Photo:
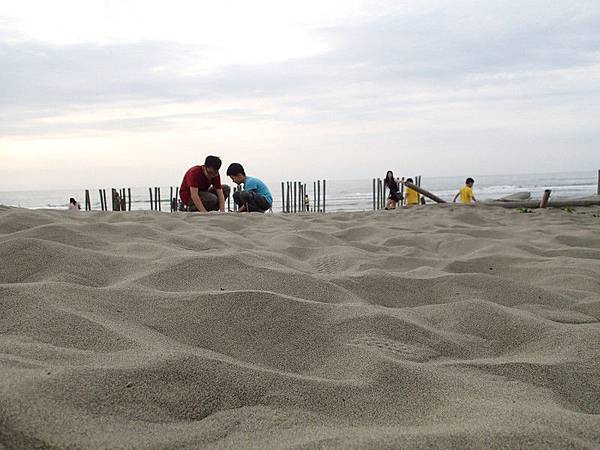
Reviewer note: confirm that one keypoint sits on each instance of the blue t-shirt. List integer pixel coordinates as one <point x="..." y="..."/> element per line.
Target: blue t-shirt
<point x="255" y="185"/>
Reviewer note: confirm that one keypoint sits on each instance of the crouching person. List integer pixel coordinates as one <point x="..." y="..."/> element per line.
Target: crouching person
<point x="255" y="196"/>
<point x="201" y="188"/>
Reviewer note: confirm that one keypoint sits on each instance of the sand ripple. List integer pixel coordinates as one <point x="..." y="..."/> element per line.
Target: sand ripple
<point x="424" y="328"/>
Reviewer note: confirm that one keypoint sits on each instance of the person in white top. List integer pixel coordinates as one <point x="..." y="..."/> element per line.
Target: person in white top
<point x="74" y="205"/>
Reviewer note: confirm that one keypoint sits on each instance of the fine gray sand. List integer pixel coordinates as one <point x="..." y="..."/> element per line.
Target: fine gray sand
<point x="430" y="327"/>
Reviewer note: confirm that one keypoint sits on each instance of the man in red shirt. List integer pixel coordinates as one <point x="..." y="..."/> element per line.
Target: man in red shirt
<point x="201" y="188"/>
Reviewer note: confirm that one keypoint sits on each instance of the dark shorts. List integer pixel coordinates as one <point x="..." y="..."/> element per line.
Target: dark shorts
<point x="396" y="196"/>
<point x="209" y="199"/>
<point x="255" y="202"/>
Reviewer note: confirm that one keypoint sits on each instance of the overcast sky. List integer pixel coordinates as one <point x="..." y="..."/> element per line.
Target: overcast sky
<point x="96" y="93"/>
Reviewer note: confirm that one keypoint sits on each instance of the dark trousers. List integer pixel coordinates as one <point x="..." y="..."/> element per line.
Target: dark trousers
<point x="209" y="198"/>
<point x="253" y="201"/>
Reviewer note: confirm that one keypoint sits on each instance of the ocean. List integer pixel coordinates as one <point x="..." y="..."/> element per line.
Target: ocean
<point x="345" y="195"/>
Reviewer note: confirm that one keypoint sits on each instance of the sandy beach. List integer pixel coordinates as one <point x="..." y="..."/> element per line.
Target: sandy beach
<point x="431" y="327"/>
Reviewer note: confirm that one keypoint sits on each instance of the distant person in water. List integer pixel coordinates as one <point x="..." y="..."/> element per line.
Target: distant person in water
<point x="466" y="192"/>
<point x="411" y="196"/>
<point x="255" y="196"/>
<point x="201" y="189"/>
<point x="392" y="185"/>
<point x="74" y="205"/>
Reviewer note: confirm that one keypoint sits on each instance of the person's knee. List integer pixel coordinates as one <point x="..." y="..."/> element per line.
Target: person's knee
<point x="226" y="190"/>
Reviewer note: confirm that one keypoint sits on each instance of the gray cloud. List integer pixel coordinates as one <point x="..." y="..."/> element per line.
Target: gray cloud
<point x="374" y="68"/>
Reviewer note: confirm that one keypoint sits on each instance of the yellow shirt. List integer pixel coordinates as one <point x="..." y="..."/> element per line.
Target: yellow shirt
<point x="466" y="194"/>
<point x="411" y="197"/>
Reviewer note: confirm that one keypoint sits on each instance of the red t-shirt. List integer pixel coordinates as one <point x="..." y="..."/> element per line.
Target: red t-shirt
<point x="195" y="178"/>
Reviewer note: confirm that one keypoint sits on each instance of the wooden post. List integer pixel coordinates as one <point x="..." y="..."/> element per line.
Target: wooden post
<point x="402" y="192"/>
<point x="314" y="196"/>
<point x="124" y="200"/>
<point x="545" y="198"/>
<point x="295" y="199"/>
<point x="159" y="205"/>
<point x="422" y="191"/>
<point x="129" y="199"/>
<point x="171" y="198"/>
<point x="324" y="196"/>
<point x="373" y="194"/>
<point x="598" y="182"/>
<point x="101" y="200"/>
<point x="151" y="201"/>
<point x="88" y="205"/>
<point x="318" y="205"/>
<point x="105" y="201"/>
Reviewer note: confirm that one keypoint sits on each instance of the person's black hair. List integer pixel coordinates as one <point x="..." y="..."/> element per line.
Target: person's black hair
<point x="72" y="201"/>
<point x="470" y="180"/>
<point x="409" y="180"/>
<point x="389" y="182"/>
<point x="213" y="161"/>
<point x="235" y="169"/>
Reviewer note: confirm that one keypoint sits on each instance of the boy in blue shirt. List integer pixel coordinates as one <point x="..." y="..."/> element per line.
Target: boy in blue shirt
<point x="255" y="196"/>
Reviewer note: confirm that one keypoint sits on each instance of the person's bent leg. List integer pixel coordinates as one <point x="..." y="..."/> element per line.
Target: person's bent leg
<point x="209" y="200"/>
<point x="257" y="202"/>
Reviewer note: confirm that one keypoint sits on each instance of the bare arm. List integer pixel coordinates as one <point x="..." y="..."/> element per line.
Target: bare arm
<point x="221" y="199"/>
<point x="196" y="199"/>
<point x="455" y="197"/>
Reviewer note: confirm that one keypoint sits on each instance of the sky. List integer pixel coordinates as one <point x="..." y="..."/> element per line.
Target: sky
<point x="133" y="93"/>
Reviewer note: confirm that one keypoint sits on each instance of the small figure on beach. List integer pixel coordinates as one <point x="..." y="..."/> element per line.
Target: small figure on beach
<point x="411" y="196"/>
<point x="306" y="203"/>
<point x="201" y="189"/>
<point x="116" y="201"/>
<point x="74" y="205"/>
<point x="255" y="197"/>
<point x="392" y="185"/>
<point x="466" y="192"/>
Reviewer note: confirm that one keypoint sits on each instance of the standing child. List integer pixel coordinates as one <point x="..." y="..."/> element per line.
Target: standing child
<point x="255" y="196"/>
<point x="466" y="192"/>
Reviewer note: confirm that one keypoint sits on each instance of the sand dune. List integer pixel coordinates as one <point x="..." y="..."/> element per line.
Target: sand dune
<point x="430" y="327"/>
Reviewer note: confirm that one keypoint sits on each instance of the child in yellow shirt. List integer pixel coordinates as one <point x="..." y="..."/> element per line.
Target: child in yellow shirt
<point x="411" y="197"/>
<point x="466" y="192"/>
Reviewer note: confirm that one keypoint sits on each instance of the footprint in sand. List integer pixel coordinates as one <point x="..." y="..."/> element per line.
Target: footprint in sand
<point x="396" y="349"/>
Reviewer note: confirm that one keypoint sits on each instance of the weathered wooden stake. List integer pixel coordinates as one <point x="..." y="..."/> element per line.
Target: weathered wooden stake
<point x="402" y="192"/>
<point x="124" y="200"/>
<point x="129" y="199"/>
<point x="295" y="199"/>
<point x="422" y="191"/>
<point x="314" y="196"/>
<point x="318" y="195"/>
<point x="598" y="182"/>
<point x="101" y="200"/>
<point x="373" y="194"/>
<point x="151" y="201"/>
<point x="324" y="196"/>
<point x="159" y="204"/>
<point x="545" y="198"/>
<point x="88" y="203"/>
